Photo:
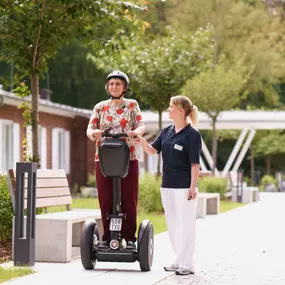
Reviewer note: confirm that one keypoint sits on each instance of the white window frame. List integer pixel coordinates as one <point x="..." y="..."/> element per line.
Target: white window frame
<point x="14" y="145"/>
<point x="42" y="133"/>
<point x="61" y="149"/>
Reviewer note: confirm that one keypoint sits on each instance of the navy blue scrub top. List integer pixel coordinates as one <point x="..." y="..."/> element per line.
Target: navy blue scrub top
<point x="179" y="150"/>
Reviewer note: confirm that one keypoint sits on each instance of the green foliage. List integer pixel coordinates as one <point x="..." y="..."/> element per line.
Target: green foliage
<point x="149" y="194"/>
<point x="244" y="30"/>
<point x="6" y="211"/>
<point x="158" y="69"/>
<point x="270" y="143"/>
<point x="247" y="180"/>
<point x="213" y="185"/>
<point x="91" y="182"/>
<point x="73" y="80"/>
<point x="22" y="91"/>
<point x="32" y="32"/>
<point x="216" y="89"/>
<point x="14" y="272"/>
<point x="267" y="179"/>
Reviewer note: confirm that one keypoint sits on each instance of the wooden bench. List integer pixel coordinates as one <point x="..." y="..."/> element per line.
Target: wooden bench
<point x="238" y="186"/>
<point x="207" y="204"/>
<point x="57" y="232"/>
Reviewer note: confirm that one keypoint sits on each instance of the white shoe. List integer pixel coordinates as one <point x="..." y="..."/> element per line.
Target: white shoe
<point x="172" y="267"/>
<point x="184" y="271"/>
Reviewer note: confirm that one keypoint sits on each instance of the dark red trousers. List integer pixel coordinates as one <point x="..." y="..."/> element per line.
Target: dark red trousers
<point x="129" y="198"/>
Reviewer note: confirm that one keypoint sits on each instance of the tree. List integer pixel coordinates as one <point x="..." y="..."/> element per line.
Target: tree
<point x="159" y="70"/>
<point x="213" y="91"/>
<point x="32" y="31"/>
<point x="271" y="143"/>
<point x="74" y="80"/>
<point x="241" y="28"/>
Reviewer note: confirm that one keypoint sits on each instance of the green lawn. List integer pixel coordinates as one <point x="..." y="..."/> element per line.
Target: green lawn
<point x="10" y="273"/>
<point x="157" y="219"/>
<point x="229" y="205"/>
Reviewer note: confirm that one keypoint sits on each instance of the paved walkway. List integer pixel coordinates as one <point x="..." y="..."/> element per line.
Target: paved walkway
<point x="245" y="246"/>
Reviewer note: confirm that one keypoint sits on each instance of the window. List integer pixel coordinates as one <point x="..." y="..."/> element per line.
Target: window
<point x="9" y="144"/>
<point x="42" y="144"/>
<point x="61" y="149"/>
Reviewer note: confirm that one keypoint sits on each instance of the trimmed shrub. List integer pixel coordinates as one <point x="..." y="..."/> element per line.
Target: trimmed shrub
<point x="91" y="180"/>
<point x="149" y="193"/>
<point x="213" y="185"/>
<point x="6" y="211"/>
<point x="267" y="179"/>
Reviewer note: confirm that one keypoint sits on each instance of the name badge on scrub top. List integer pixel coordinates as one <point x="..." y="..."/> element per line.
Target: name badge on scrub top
<point x="178" y="147"/>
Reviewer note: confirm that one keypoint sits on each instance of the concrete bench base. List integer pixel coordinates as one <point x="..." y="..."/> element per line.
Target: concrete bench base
<point x="208" y="203"/>
<point x="249" y="194"/>
<point x="56" y="233"/>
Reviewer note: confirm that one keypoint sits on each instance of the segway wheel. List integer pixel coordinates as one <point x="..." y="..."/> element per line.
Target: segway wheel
<point x="145" y="245"/>
<point x="88" y="242"/>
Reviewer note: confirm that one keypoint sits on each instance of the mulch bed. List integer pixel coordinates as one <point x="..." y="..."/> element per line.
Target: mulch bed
<point x="5" y="252"/>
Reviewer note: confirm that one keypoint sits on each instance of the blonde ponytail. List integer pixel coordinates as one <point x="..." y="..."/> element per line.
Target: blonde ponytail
<point x="194" y="116"/>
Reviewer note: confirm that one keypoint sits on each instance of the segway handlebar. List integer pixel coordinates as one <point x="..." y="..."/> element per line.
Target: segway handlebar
<point x="107" y="134"/>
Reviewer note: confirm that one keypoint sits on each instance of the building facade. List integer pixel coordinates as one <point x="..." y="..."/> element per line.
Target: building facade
<point x="62" y="138"/>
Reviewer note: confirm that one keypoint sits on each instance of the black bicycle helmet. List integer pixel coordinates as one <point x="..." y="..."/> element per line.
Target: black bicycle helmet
<point x="121" y="75"/>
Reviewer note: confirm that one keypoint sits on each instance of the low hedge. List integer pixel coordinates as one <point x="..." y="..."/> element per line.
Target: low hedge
<point x="267" y="179"/>
<point x="213" y="185"/>
<point x="149" y="193"/>
<point x="6" y="211"/>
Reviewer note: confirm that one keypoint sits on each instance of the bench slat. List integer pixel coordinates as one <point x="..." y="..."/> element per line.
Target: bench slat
<point x="46" y="183"/>
<point x="48" y="173"/>
<point x="51" y="192"/>
<point x="49" y="202"/>
<point x="49" y="183"/>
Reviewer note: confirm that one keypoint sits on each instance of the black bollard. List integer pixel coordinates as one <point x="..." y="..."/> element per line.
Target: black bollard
<point x="239" y="185"/>
<point x="24" y="241"/>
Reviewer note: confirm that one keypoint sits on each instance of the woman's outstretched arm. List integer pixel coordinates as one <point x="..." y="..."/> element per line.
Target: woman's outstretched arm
<point x="146" y="146"/>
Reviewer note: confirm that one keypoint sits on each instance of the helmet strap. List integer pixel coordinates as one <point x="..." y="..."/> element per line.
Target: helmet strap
<point x="116" y="98"/>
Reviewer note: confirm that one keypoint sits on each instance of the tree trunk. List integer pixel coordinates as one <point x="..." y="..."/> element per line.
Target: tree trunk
<point x="35" y="116"/>
<point x="214" y="146"/>
<point x="35" y="90"/>
<point x="159" y="156"/>
<point x="252" y="165"/>
<point x="160" y="11"/>
<point x="161" y="16"/>
<point x="268" y="164"/>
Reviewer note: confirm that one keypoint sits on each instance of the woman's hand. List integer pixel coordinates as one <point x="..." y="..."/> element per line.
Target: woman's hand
<point x="97" y="134"/>
<point x="192" y="193"/>
<point x="132" y="134"/>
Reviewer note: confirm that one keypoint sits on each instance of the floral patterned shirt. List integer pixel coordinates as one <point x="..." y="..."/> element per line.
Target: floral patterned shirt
<point x="119" y="119"/>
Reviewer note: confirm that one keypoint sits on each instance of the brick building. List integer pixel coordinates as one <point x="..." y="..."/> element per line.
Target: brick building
<point x="62" y="137"/>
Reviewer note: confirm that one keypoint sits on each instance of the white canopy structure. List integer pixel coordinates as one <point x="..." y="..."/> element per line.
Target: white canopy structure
<point x="246" y="121"/>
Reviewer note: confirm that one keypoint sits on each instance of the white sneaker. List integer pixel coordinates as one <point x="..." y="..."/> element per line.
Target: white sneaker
<point x="184" y="271"/>
<point x="172" y="267"/>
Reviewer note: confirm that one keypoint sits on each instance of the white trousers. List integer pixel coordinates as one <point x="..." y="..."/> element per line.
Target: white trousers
<point x="180" y="215"/>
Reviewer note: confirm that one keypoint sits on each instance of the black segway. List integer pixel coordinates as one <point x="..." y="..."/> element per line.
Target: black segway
<point x="114" y="157"/>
